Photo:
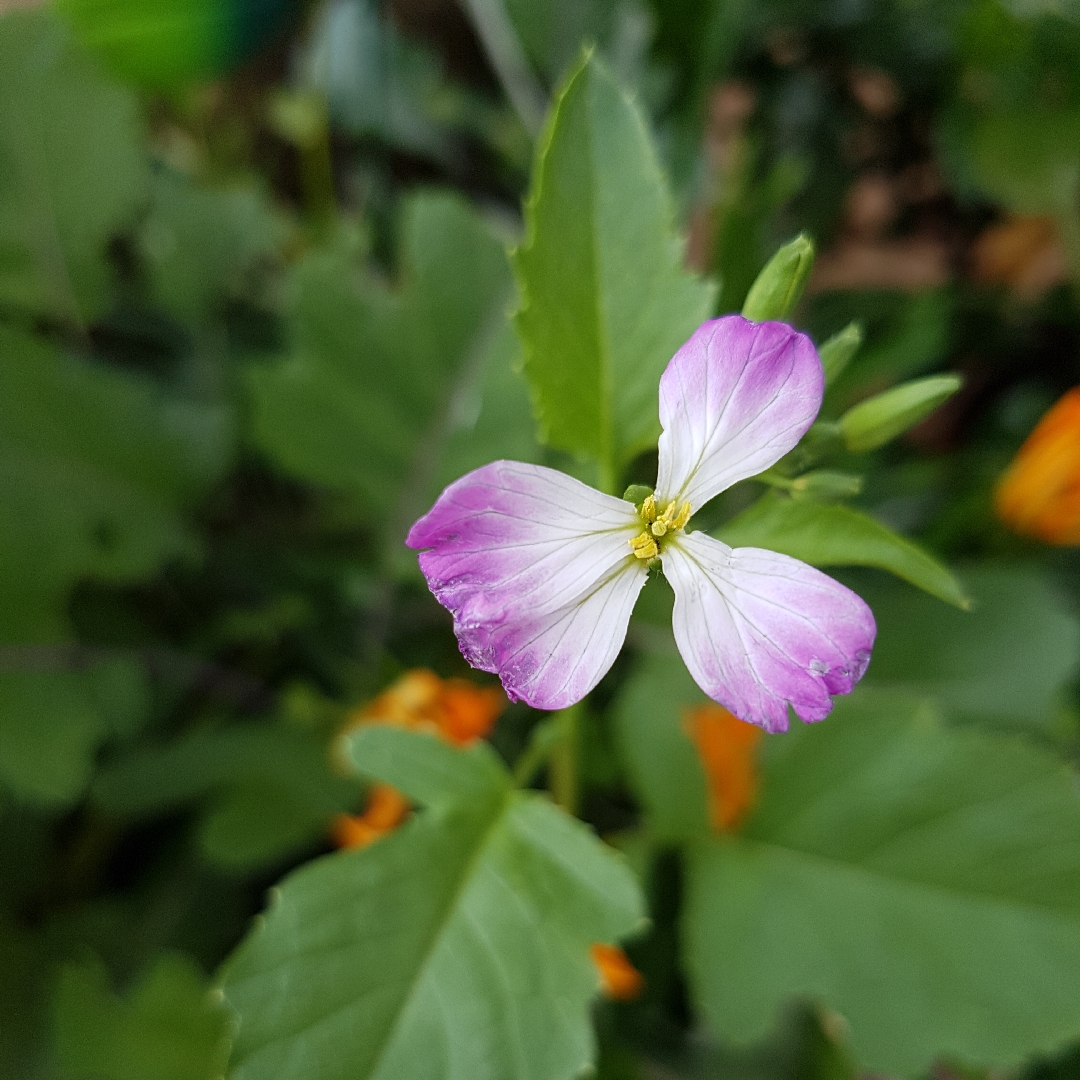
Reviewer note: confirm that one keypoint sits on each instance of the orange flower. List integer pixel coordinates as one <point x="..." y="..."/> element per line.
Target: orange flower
<point x="726" y="747"/>
<point x="386" y="809"/>
<point x="1039" y="495"/>
<point x="619" y="979"/>
<point x="459" y="710"/>
<point x="1023" y="252"/>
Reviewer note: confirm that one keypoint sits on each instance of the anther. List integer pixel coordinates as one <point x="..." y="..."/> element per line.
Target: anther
<point x="648" y="508"/>
<point x="644" y="547"/>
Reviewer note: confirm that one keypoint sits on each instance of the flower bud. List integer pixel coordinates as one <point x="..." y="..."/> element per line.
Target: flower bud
<point x="839" y="350"/>
<point x="1039" y="495"/>
<point x="637" y="494"/>
<point x="825" y="485"/>
<point x="780" y="284"/>
<point x="874" y="422"/>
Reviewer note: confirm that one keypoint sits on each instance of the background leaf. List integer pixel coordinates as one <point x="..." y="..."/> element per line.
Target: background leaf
<point x="96" y="467"/>
<point x="483" y="907"/>
<point x="605" y="300"/>
<point x="72" y="171"/>
<point x="1006" y="661"/>
<point x="168" y="1028"/>
<point x="267" y="790"/>
<point x="379" y="380"/>
<point x="920" y="881"/>
<point x="836" y="535"/>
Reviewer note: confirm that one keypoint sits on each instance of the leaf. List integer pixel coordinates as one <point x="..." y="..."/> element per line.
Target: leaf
<point x="605" y="301"/>
<point x="836" y="535"/>
<point x="52" y="722"/>
<point x="378" y="379"/>
<point x="201" y="244"/>
<point x="268" y="790"/>
<point x="96" y="468"/>
<point x="72" y="170"/>
<point x="165" y="45"/>
<point x="377" y="81"/>
<point x="456" y="947"/>
<point x="493" y="419"/>
<point x="661" y="762"/>
<point x="923" y="882"/>
<point x="169" y="1028"/>
<point x="1006" y="661"/>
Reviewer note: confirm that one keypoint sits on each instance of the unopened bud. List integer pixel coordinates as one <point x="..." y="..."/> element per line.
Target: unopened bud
<point x="780" y="284"/>
<point x="839" y="350"/>
<point x="873" y="423"/>
<point x="825" y="485"/>
<point x="637" y="494"/>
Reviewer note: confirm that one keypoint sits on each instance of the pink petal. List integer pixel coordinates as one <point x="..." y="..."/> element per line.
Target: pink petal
<point x="537" y="570"/>
<point x="759" y="630"/>
<point x="733" y="401"/>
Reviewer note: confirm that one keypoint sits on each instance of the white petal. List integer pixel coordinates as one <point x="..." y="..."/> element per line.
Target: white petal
<point x="733" y="400"/>
<point x="538" y="572"/>
<point x="759" y="630"/>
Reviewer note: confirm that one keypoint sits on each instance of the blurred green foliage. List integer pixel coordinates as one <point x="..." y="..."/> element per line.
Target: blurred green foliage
<point x="248" y="331"/>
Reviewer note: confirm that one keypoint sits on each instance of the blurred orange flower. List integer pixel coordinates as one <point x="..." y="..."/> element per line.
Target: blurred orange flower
<point x="386" y="809"/>
<point x="619" y="979"/>
<point x="1022" y="252"/>
<point x="458" y="710"/>
<point x="726" y="747"/>
<point x="1039" y="495"/>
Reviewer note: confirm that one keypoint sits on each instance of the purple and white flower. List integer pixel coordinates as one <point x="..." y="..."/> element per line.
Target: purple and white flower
<point x="541" y="572"/>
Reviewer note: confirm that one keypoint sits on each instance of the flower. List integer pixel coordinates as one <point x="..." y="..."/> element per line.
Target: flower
<point x="458" y="710"/>
<point x="619" y="979"/>
<point x="455" y="709"/>
<point x="1039" y="495"/>
<point x="726" y="747"/>
<point x="541" y="572"/>
<point x="386" y="809"/>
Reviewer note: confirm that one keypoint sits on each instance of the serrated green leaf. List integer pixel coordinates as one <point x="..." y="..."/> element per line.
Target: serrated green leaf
<point x="836" y="535"/>
<point x="168" y="1028"/>
<point x="380" y="380"/>
<point x="1006" y="661"/>
<point x="72" y="170"/>
<point x="605" y="298"/>
<point x="456" y="948"/>
<point x="922" y="882"/>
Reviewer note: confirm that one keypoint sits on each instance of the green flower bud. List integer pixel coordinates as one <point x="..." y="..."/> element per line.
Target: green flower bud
<point x="780" y="284"/>
<point x="873" y="423"/>
<point x="637" y="494"/>
<point x="839" y="350"/>
<point x="825" y="485"/>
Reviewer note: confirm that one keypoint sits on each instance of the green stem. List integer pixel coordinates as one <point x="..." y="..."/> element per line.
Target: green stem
<point x="608" y="477"/>
<point x="562" y="766"/>
<point x="544" y="737"/>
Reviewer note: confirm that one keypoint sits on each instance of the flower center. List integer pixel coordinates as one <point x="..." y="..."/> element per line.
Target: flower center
<point x="671" y="519"/>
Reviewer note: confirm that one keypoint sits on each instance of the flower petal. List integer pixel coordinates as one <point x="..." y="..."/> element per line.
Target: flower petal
<point x="759" y="630"/>
<point x="537" y="570"/>
<point x="733" y="400"/>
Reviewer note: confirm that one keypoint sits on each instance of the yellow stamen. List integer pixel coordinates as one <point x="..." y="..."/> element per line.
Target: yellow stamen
<point x="682" y="517"/>
<point x="644" y="547"/>
<point x="648" y="509"/>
